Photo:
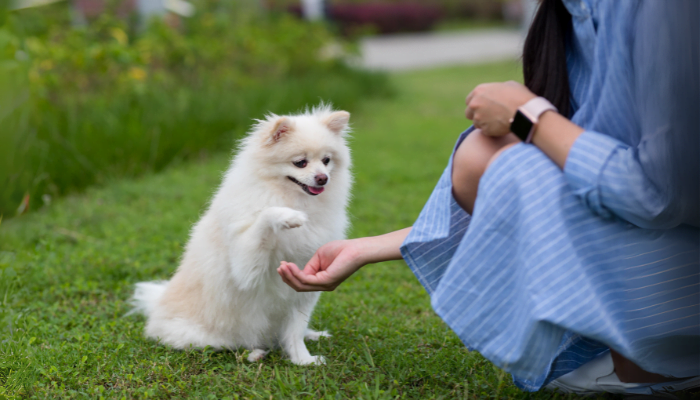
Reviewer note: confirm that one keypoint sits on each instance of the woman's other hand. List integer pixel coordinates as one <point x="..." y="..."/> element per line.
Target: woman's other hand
<point x="492" y="105"/>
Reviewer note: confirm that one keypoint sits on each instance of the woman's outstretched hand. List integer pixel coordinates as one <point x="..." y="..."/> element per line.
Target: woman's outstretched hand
<point x="334" y="262"/>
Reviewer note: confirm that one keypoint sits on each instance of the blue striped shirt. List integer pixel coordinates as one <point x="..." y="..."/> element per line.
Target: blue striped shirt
<point x="555" y="267"/>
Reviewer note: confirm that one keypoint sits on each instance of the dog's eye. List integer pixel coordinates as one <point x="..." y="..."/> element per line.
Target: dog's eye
<point x="300" y="163"/>
<point x="326" y="160"/>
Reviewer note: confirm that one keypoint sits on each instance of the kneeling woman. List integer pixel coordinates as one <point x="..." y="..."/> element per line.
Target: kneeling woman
<point x="562" y="240"/>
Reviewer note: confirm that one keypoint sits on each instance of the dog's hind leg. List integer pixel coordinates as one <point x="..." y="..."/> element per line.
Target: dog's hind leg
<point x="183" y="334"/>
<point x="257" y="355"/>
<point x="250" y="254"/>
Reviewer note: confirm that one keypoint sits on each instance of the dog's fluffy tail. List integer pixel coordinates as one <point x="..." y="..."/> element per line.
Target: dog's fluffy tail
<point x="146" y="297"/>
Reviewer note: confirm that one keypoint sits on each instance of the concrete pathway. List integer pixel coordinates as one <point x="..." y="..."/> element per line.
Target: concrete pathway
<point x="425" y="50"/>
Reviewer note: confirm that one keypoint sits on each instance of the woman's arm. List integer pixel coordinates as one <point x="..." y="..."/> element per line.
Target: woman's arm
<point x="334" y="262"/>
<point x="652" y="185"/>
<point x="555" y="136"/>
<point x="492" y="105"/>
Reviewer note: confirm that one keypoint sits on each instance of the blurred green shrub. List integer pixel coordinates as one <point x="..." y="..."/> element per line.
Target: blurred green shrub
<point x="79" y="106"/>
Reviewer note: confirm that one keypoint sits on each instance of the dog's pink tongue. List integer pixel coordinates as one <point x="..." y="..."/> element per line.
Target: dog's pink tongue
<point x="315" y="190"/>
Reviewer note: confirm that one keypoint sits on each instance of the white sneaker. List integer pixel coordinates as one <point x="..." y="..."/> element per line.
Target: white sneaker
<point x="598" y="375"/>
<point x="674" y="386"/>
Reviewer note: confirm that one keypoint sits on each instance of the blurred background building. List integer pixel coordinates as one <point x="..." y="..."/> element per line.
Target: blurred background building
<point x="378" y="16"/>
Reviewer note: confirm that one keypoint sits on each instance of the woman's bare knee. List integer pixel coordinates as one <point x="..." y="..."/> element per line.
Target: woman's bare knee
<point x="470" y="161"/>
<point x="498" y="153"/>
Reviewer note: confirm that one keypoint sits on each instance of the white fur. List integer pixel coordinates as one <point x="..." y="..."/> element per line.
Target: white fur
<point x="226" y="292"/>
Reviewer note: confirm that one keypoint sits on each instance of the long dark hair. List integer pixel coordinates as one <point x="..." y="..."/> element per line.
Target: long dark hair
<point x="544" y="54"/>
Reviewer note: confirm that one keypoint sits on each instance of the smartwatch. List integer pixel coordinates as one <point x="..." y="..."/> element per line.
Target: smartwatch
<point x="524" y="122"/>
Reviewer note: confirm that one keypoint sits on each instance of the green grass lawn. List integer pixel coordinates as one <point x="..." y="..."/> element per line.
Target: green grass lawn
<point x="70" y="269"/>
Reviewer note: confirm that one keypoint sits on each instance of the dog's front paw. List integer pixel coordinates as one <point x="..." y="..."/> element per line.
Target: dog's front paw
<point x="310" y="360"/>
<point x="287" y="218"/>
<point x="315" y="335"/>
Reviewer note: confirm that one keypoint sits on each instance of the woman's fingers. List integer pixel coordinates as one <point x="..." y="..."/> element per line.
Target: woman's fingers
<point x="304" y="278"/>
<point x="469" y="97"/>
<point x="477" y="90"/>
<point x="301" y="281"/>
<point x="469" y="113"/>
<point x="285" y="278"/>
<point x="320" y="281"/>
<point x="314" y="265"/>
<point x="285" y="271"/>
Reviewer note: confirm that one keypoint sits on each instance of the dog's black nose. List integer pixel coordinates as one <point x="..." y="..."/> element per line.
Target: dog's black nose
<point x="321" y="179"/>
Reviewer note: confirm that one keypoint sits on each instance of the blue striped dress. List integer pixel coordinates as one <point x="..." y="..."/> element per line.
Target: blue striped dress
<point x="555" y="267"/>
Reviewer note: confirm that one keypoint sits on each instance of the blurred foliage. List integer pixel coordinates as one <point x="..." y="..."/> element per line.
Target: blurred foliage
<point x="118" y="97"/>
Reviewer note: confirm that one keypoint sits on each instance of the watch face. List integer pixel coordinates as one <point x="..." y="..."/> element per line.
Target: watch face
<point x="521" y="126"/>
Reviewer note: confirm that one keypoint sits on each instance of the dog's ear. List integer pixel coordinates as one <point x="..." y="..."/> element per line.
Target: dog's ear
<point x="338" y="121"/>
<point x="282" y="127"/>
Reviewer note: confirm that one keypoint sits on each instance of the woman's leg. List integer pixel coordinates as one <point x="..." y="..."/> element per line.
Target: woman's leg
<point x="470" y="161"/>
<point x="629" y="372"/>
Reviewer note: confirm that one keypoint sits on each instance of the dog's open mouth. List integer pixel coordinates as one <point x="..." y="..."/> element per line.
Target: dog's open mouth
<point x="312" y="190"/>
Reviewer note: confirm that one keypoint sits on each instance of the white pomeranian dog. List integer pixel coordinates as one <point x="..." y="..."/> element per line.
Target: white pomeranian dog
<point x="283" y="197"/>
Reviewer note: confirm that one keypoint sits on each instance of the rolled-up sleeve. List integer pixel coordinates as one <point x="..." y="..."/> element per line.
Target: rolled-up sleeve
<point x="652" y="182"/>
<point x="609" y="177"/>
<point x="584" y="165"/>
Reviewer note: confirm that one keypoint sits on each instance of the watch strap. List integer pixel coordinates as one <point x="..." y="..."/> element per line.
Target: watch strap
<point x="532" y="110"/>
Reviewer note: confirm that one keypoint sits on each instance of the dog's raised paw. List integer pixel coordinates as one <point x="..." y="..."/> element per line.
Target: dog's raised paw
<point x="289" y="218"/>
